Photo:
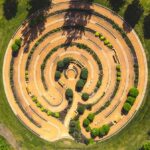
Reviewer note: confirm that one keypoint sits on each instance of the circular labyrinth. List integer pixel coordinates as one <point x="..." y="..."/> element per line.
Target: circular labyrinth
<point x="82" y="74"/>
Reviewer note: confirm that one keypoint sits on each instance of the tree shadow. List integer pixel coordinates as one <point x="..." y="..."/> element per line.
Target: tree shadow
<point x="37" y="12"/>
<point x="146" y="26"/>
<point x="10" y="8"/>
<point x="133" y="13"/>
<point x="116" y="4"/>
<point x="75" y="19"/>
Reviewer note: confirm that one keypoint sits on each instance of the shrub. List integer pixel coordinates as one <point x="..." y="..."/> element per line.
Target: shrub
<point x="60" y="65"/>
<point x="38" y="105"/>
<point x="94" y="132"/>
<point x="15" y="48"/>
<point x="118" y="68"/>
<point x="85" y="96"/>
<point x="91" y="141"/>
<point x="109" y="45"/>
<point x="88" y="129"/>
<point x="133" y="92"/>
<point x="34" y="99"/>
<point x="91" y="117"/>
<point x="69" y="94"/>
<point x="18" y="42"/>
<point x="56" y="114"/>
<point x="79" y="85"/>
<point x="118" y="78"/>
<point x="130" y="100"/>
<point x="57" y="75"/>
<point x="49" y="113"/>
<point x="102" y="38"/>
<point x="86" y="122"/>
<point x="84" y="74"/>
<point x="97" y="34"/>
<point x="106" y="42"/>
<point x="126" y="107"/>
<point x="106" y="128"/>
<point x="101" y="132"/>
<point x="81" y="109"/>
<point x="118" y="74"/>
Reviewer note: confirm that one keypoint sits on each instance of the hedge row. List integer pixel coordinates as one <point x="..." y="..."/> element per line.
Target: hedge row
<point x="102" y="38"/>
<point x="48" y="112"/>
<point x="16" y="46"/>
<point x="132" y="95"/>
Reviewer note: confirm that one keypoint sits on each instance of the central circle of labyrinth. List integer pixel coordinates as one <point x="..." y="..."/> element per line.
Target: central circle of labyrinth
<point x="80" y="76"/>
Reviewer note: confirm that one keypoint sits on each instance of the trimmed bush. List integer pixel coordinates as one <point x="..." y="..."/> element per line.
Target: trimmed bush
<point x="130" y="100"/>
<point x="118" y="79"/>
<point x="118" y="74"/>
<point x="84" y="74"/>
<point x="69" y="94"/>
<point x="94" y="132"/>
<point x="146" y="146"/>
<point x="86" y="122"/>
<point x="109" y="45"/>
<point x="56" y="114"/>
<point x="133" y="92"/>
<point x="97" y="34"/>
<point x="126" y="107"/>
<point x="102" y="38"/>
<point x="118" y="68"/>
<point x="91" y="117"/>
<point x="49" y="113"/>
<point x="79" y="85"/>
<point x="85" y="96"/>
<point x="81" y="109"/>
<point x="106" y="42"/>
<point x="57" y="75"/>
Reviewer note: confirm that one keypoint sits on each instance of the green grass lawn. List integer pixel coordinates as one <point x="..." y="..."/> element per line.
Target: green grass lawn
<point x="4" y="145"/>
<point x="131" y="138"/>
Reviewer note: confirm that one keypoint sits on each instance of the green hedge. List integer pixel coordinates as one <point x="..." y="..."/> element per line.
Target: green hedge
<point x="86" y="122"/>
<point x="126" y="107"/>
<point x="85" y="96"/>
<point x="133" y="92"/>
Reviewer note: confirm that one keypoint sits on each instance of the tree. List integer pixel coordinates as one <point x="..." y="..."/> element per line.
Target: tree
<point x="91" y="117"/>
<point x="94" y="132"/>
<point x="85" y="96"/>
<point x="126" y="107"/>
<point x="66" y="62"/>
<point x="69" y="94"/>
<point x="81" y="109"/>
<point x="84" y="74"/>
<point x="133" y="92"/>
<point x="79" y="85"/>
<point x="130" y="100"/>
<point x="60" y="65"/>
<point x="57" y="75"/>
<point x="86" y="122"/>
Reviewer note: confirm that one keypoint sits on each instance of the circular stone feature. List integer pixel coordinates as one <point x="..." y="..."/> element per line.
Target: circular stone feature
<point x="71" y="73"/>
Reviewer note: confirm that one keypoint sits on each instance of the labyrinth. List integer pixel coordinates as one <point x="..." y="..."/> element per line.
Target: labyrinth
<point x="79" y="72"/>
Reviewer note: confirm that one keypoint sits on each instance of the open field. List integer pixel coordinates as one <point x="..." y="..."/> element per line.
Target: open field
<point x="130" y="138"/>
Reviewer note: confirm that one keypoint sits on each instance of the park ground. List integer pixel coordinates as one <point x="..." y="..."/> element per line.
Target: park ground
<point x="131" y="138"/>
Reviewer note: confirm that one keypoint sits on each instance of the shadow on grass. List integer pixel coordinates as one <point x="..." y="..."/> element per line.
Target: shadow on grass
<point x="37" y="10"/>
<point x="77" y="17"/>
<point x="132" y="14"/>
<point x="10" y="8"/>
<point x="116" y="4"/>
<point x="146" y="26"/>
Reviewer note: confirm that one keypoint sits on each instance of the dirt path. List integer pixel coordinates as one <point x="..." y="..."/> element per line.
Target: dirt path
<point x="6" y="133"/>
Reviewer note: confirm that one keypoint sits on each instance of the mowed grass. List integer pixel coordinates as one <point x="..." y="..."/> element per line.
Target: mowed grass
<point x="130" y="138"/>
<point x="4" y="144"/>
